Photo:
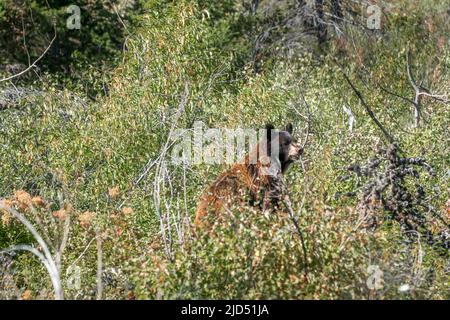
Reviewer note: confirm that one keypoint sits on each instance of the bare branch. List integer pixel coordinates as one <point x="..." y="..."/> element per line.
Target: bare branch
<point x="395" y="94"/>
<point x="99" y="265"/>
<point x="31" y="65"/>
<point x="439" y="98"/>
<point x="366" y="106"/>
<point x="36" y="252"/>
<point x="419" y="91"/>
<point x="82" y="253"/>
<point x="288" y="204"/>
<point x="50" y="263"/>
<point x="63" y="244"/>
<point x="161" y="173"/>
<point x="47" y="257"/>
<point x="409" y="72"/>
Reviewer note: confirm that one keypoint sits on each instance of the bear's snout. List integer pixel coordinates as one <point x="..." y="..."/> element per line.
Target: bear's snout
<point x="295" y="151"/>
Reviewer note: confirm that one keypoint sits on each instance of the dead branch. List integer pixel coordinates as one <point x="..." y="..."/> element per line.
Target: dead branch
<point x="161" y="173"/>
<point x="99" y="265"/>
<point x="31" y="66"/>
<point x="419" y="91"/>
<point x="288" y="204"/>
<point x="45" y="257"/>
<point x="366" y="106"/>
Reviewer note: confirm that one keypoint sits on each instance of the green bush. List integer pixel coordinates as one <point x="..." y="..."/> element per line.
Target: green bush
<point x="185" y="64"/>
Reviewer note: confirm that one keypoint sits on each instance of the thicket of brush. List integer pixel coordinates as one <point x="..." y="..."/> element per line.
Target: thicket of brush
<point x="96" y="180"/>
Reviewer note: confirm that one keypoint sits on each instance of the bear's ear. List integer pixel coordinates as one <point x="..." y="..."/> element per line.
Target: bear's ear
<point x="289" y="128"/>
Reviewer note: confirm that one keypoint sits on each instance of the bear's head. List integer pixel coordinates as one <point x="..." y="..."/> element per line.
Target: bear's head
<point x="289" y="150"/>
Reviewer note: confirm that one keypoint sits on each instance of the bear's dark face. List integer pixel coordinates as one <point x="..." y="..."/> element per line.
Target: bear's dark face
<point x="289" y="150"/>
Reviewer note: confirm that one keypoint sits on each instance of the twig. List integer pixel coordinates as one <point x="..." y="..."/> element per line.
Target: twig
<point x="151" y="163"/>
<point x="99" y="266"/>
<point x="25" y="41"/>
<point x="366" y="106"/>
<point x="419" y="91"/>
<point x="63" y="244"/>
<point x="46" y="258"/>
<point x="287" y="202"/>
<point x="82" y="254"/>
<point x="31" y="65"/>
<point x="395" y="94"/>
<point x="161" y="173"/>
<point x="120" y="19"/>
<point x="416" y="88"/>
<point x="37" y="253"/>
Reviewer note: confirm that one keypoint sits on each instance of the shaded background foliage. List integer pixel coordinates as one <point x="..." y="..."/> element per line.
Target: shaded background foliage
<point x="27" y="27"/>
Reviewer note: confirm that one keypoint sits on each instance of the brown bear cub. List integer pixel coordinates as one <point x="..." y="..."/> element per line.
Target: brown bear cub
<point x="257" y="181"/>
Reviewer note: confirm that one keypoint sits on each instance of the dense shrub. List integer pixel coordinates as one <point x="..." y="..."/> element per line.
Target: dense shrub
<point x="185" y="64"/>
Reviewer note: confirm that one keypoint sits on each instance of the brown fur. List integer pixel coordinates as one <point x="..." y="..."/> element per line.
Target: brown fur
<point x="237" y="183"/>
<point x="243" y="184"/>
